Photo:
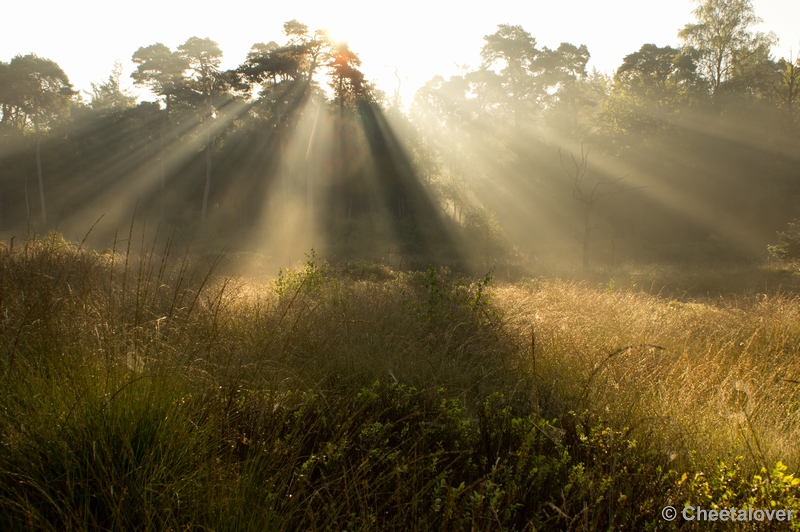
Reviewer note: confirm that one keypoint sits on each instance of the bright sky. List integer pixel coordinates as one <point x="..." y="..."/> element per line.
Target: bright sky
<point x="421" y="38"/>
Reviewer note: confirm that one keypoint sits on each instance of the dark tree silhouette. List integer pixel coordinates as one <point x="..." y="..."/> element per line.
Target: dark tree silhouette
<point x="203" y="57"/>
<point x="160" y="69"/>
<point x="41" y="92"/>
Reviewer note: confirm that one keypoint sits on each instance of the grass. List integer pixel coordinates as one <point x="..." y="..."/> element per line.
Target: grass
<point x="722" y="371"/>
<point x="144" y="391"/>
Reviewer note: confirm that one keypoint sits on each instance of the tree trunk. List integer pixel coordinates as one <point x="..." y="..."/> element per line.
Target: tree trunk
<point x="39" y="166"/>
<point x="587" y="232"/>
<point x="340" y="160"/>
<point x="162" y="155"/>
<point x="161" y="148"/>
<point x="281" y="165"/>
<point x="310" y="193"/>
<point x="310" y="175"/>
<point x="515" y="99"/>
<point x="27" y="201"/>
<point x="613" y="260"/>
<point x="208" y="160"/>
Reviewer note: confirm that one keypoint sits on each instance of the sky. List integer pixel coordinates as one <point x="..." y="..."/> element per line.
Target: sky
<point x="414" y="40"/>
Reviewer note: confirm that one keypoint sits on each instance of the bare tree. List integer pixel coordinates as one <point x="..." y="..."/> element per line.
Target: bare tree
<point x="589" y="194"/>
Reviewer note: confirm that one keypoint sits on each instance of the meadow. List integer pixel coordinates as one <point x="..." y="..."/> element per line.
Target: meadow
<point x="145" y="390"/>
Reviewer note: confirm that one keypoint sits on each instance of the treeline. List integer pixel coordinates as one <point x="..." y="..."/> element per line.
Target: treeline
<point x="230" y="152"/>
<point x="687" y="152"/>
<point x="683" y="150"/>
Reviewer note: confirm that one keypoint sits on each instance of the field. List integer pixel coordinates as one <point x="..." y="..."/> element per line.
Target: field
<point x="143" y="390"/>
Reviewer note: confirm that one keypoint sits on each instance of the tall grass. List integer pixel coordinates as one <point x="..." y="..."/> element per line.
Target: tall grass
<point x="144" y="391"/>
<point x="720" y="376"/>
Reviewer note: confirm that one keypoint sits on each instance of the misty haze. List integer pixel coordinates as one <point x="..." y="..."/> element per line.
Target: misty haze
<point x="275" y="293"/>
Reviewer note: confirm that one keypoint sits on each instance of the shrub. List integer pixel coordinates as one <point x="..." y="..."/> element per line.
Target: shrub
<point x="788" y="247"/>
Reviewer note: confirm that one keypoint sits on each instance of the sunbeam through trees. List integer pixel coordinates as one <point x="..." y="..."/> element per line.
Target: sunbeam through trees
<point x="274" y="294"/>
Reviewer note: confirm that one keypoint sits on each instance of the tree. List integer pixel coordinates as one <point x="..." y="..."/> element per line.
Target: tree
<point x="456" y="116"/>
<point x="347" y="81"/>
<point x="721" y="38"/>
<point x="269" y="65"/>
<point x="203" y="57"/>
<point x="5" y="94"/>
<point x="515" y="51"/>
<point x="160" y="69"/>
<point x="5" y="115"/>
<point x="310" y="49"/>
<point x="657" y="72"/>
<point x="109" y="95"/>
<point x="562" y="74"/>
<point x="349" y="88"/>
<point x="285" y="75"/>
<point x="289" y="68"/>
<point x="649" y="86"/>
<point x="588" y="194"/>
<point x="41" y="91"/>
<point x="787" y="91"/>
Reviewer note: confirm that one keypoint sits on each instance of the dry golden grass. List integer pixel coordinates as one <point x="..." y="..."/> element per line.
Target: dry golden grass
<point x="363" y="398"/>
<point x="719" y="377"/>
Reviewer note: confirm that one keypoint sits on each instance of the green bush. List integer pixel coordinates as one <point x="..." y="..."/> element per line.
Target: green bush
<point x="729" y="486"/>
<point x="788" y="247"/>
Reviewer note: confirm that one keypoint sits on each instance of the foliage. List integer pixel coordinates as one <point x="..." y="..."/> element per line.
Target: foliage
<point x="109" y="95"/>
<point x="788" y="247"/>
<point x="38" y="93"/>
<point x="728" y="486"/>
<point x="310" y="278"/>
<point x="650" y="86"/>
<point x="721" y="39"/>
<point x="449" y="299"/>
